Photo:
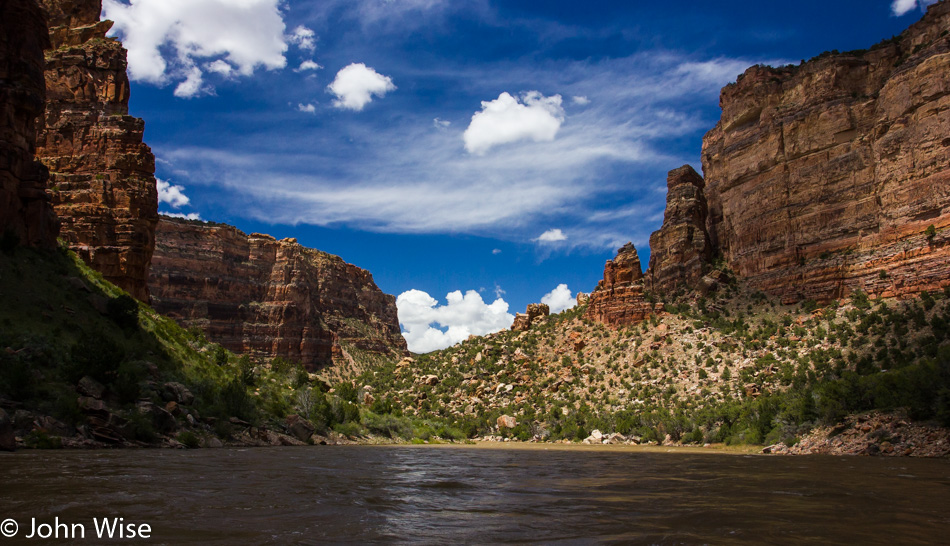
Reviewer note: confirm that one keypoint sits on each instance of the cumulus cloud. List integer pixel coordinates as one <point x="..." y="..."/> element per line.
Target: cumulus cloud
<point x="356" y="84"/>
<point x="559" y="299"/>
<point x="170" y="194"/>
<point x="552" y="236"/>
<point x="429" y="326"/>
<point x="308" y="65"/>
<point x="168" y="39"/>
<point x="441" y="123"/>
<point x="220" y="67"/>
<point x="189" y="216"/>
<point x="308" y="108"/>
<point x="496" y="251"/>
<point x="506" y="120"/>
<point x="900" y="7"/>
<point x="304" y="38"/>
<point x="580" y="101"/>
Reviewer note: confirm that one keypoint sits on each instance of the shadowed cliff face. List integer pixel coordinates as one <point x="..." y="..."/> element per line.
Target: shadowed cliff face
<point x="680" y="252"/>
<point x="821" y="177"/>
<point x="101" y="173"/>
<point x="254" y="294"/>
<point x="25" y="212"/>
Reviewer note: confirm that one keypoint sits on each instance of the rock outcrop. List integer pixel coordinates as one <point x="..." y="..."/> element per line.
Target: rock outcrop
<point x="680" y="252"/>
<point x="25" y="212"/>
<point x="820" y="179"/>
<point x="102" y="176"/>
<point x="269" y="298"/>
<point x="532" y="315"/>
<point x="834" y="175"/>
<point x="618" y="299"/>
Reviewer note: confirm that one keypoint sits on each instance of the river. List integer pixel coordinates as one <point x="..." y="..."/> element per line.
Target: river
<point x="459" y="495"/>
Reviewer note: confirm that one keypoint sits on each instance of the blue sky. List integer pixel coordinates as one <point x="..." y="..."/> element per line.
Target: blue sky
<point x="504" y="148"/>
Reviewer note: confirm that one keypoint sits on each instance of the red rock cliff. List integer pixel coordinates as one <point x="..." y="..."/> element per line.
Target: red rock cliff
<point x="257" y="295"/>
<point x="25" y="212"/>
<point x="618" y="299"/>
<point x="101" y="173"/>
<point x="681" y="252"/>
<point x="826" y="177"/>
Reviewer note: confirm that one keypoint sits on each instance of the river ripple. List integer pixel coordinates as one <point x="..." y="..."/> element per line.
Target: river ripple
<point x="361" y="494"/>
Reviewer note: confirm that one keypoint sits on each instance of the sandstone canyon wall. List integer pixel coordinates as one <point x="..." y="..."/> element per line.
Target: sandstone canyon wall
<point x="824" y="178"/>
<point x="257" y="295"/>
<point x="102" y="180"/>
<point x="25" y="213"/>
<point x="820" y="179"/>
<point x="618" y="299"/>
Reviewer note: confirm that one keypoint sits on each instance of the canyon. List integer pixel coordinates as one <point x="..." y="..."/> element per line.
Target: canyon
<point x="259" y="296"/>
<point x="820" y="180"/>
<point x="102" y="174"/>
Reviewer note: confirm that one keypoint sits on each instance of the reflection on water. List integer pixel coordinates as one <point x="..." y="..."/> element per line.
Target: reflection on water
<point x="404" y="494"/>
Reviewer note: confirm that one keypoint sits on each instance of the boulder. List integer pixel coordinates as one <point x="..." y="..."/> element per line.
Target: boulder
<point x="90" y="387"/>
<point x="506" y="421"/>
<point x="299" y="427"/>
<point x="178" y="393"/>
<point x="535" y="313"/>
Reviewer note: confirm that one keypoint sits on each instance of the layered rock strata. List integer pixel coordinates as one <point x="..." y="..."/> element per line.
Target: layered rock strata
<point x="680" y="252"/>
<point x="820" y="179"/>
<point x="260" y="296"/>
<point x="25" y="212"/>
<point x="102" y="175"/>
<point x="618" y="299"/>
<point x="834" y="175"/>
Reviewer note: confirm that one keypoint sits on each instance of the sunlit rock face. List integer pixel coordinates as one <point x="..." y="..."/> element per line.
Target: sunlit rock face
<point x="826" y="178"/>
<point x="260" y="296"/>
<point x="619" y="299"/>
<point x="820" y="179"/>
<point x="102" y="175"/>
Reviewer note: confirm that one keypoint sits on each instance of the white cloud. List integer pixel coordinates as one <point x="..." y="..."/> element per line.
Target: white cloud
<point x="304" y="38"/>
<point x="172" y="195"/>
<point x="506" y="120"/>
<point x="308" y="65"/>
<point x="559" y="299"/>
<point x="410" y="178"/>
<point x="189" y="216"/>
<point x="462" y="316"/>
<point x="499" y="291"/>
<point x="900" y="7"/>
<point x="552" y="236"/>
<point x="356" y="84"/>
<point x="167" y="39"/>
<point x="191" y="87"/>
<point x="308" y="108"/>
<point x="441" y="123"/>
<point x="496" y="251"/>
<point x="220" y="67"/>
<point x="580" y="100"/>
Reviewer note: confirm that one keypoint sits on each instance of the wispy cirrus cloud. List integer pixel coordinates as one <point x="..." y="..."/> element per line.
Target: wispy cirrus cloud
<point x="416" y="175"/>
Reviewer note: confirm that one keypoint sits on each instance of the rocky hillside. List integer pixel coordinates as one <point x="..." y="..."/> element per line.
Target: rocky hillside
<point x="268" y="298"/>
<point x="737" y="367"/>
<point x="102" y="176"/>
<point x="25" y="213"/>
